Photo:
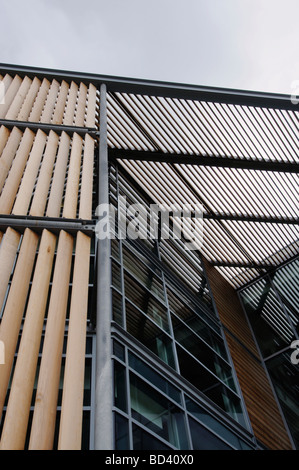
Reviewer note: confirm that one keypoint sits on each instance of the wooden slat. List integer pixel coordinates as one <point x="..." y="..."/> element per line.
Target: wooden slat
<point x="69" y="116"/>
<point x="57" y="187"/>
<point x="42" y="187"/>
<point x="262" y="408"/>
<point x="91" y="106"/>
<point x="4" y="135"/>
<point x="81" y="106"/>
<point x="29" y="100"/>
<point x="44" y="417"/>
<point x="19" y="99"/>
<point x="70" y="431"/>
<point x="60" y="105"/>
<point x="8" y="251"/>
<point x="7" y="80"/>
<point x="9" y="153"/>
<point x="50" y="102"/>
<point x="39" y="101"/>
<point x="14" y="177"/>
<point x="18" y="408"/>
<point x="85" y="206"/>
<point x="24" y="195"/>
<point x="10" y="94"/>
<point x="14" y="308"/>
<point x="72" y="187"/>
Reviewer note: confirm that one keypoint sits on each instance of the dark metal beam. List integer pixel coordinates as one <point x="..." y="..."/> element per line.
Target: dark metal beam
<point x="254" y="218"/>
<point x="232" y="264"/>
<point x="160" y="88"/>
<point x="245" y="218"/>
<point x="20" y="223"/>
<point x="203" y="160"/>
<point x="35" y="126"/>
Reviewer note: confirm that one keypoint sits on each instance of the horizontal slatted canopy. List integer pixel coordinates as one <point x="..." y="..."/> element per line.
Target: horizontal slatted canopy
<point x="239" y="161"/>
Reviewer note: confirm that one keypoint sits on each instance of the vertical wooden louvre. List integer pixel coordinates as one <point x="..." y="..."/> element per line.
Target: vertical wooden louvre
<point x="17" y="413"/>
<point x="13" y="312"/>
<point x="44" y="417"/>
<point x="46" y="173"/>
<point x="72" y="400"/>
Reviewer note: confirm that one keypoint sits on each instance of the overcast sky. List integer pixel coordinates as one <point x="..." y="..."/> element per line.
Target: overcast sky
<point x="243" y="44"/>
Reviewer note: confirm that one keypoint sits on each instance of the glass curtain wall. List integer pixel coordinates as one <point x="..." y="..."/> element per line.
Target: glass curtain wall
<point x="162" y="305"/>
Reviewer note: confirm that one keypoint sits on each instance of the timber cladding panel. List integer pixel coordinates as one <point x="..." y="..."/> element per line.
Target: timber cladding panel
<point x="262" y="408"/>
<point x="44" y="274"/>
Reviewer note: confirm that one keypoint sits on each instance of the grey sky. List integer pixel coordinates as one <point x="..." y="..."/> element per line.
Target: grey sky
<point x="244" y="44"/>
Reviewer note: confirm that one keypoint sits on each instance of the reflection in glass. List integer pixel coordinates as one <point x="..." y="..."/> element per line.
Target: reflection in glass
<point x="214" y="424"/>
<point x="120" y="390"/>
<point x="142" y="440"/>
<point x="202" y="439"/>
<point x="145" y="330"/>
<point x="203" y="353"/>
<point x="143" y="299"/>
<point x="144" y="275"/>
<point x="207" y="383"/>
<point x="158" y="414"/>
<point x="188" y="310"/>
<point x="121" y="433"/>
<point x="117" y="307"/>
<point x="154" y="378"/>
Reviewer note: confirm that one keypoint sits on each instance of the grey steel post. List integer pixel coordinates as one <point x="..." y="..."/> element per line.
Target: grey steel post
<point x="103" y="386"/>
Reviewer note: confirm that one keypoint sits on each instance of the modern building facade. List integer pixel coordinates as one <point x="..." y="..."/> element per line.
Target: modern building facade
<point x="148" y="265"/>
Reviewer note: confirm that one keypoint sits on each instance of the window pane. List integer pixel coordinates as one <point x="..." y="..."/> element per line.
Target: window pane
<point x="154" y="411"/>
<point x="143" y="329"/>
<point x="203" y="353"/>
<point x="145" y="441"/>
<point x="145" y="275"/>
<point x="117" y="307"/>
<point x="155" y="378"/>
<point x="202" y="439"/>
<point x="121" y="433"/>
<point x="116" y="278"/>
<point x="211" y="422"/>
<point x="115" y="248"/>
<point x="143" y="299"/>
<point x="120" y="390"/>
<point x="119" y="350"/>
<point x="204" y="381"/>
<point x="187" y="310"/>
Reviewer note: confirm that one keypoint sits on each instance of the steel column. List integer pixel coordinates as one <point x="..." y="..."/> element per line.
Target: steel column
<point x="104" y="374"/>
